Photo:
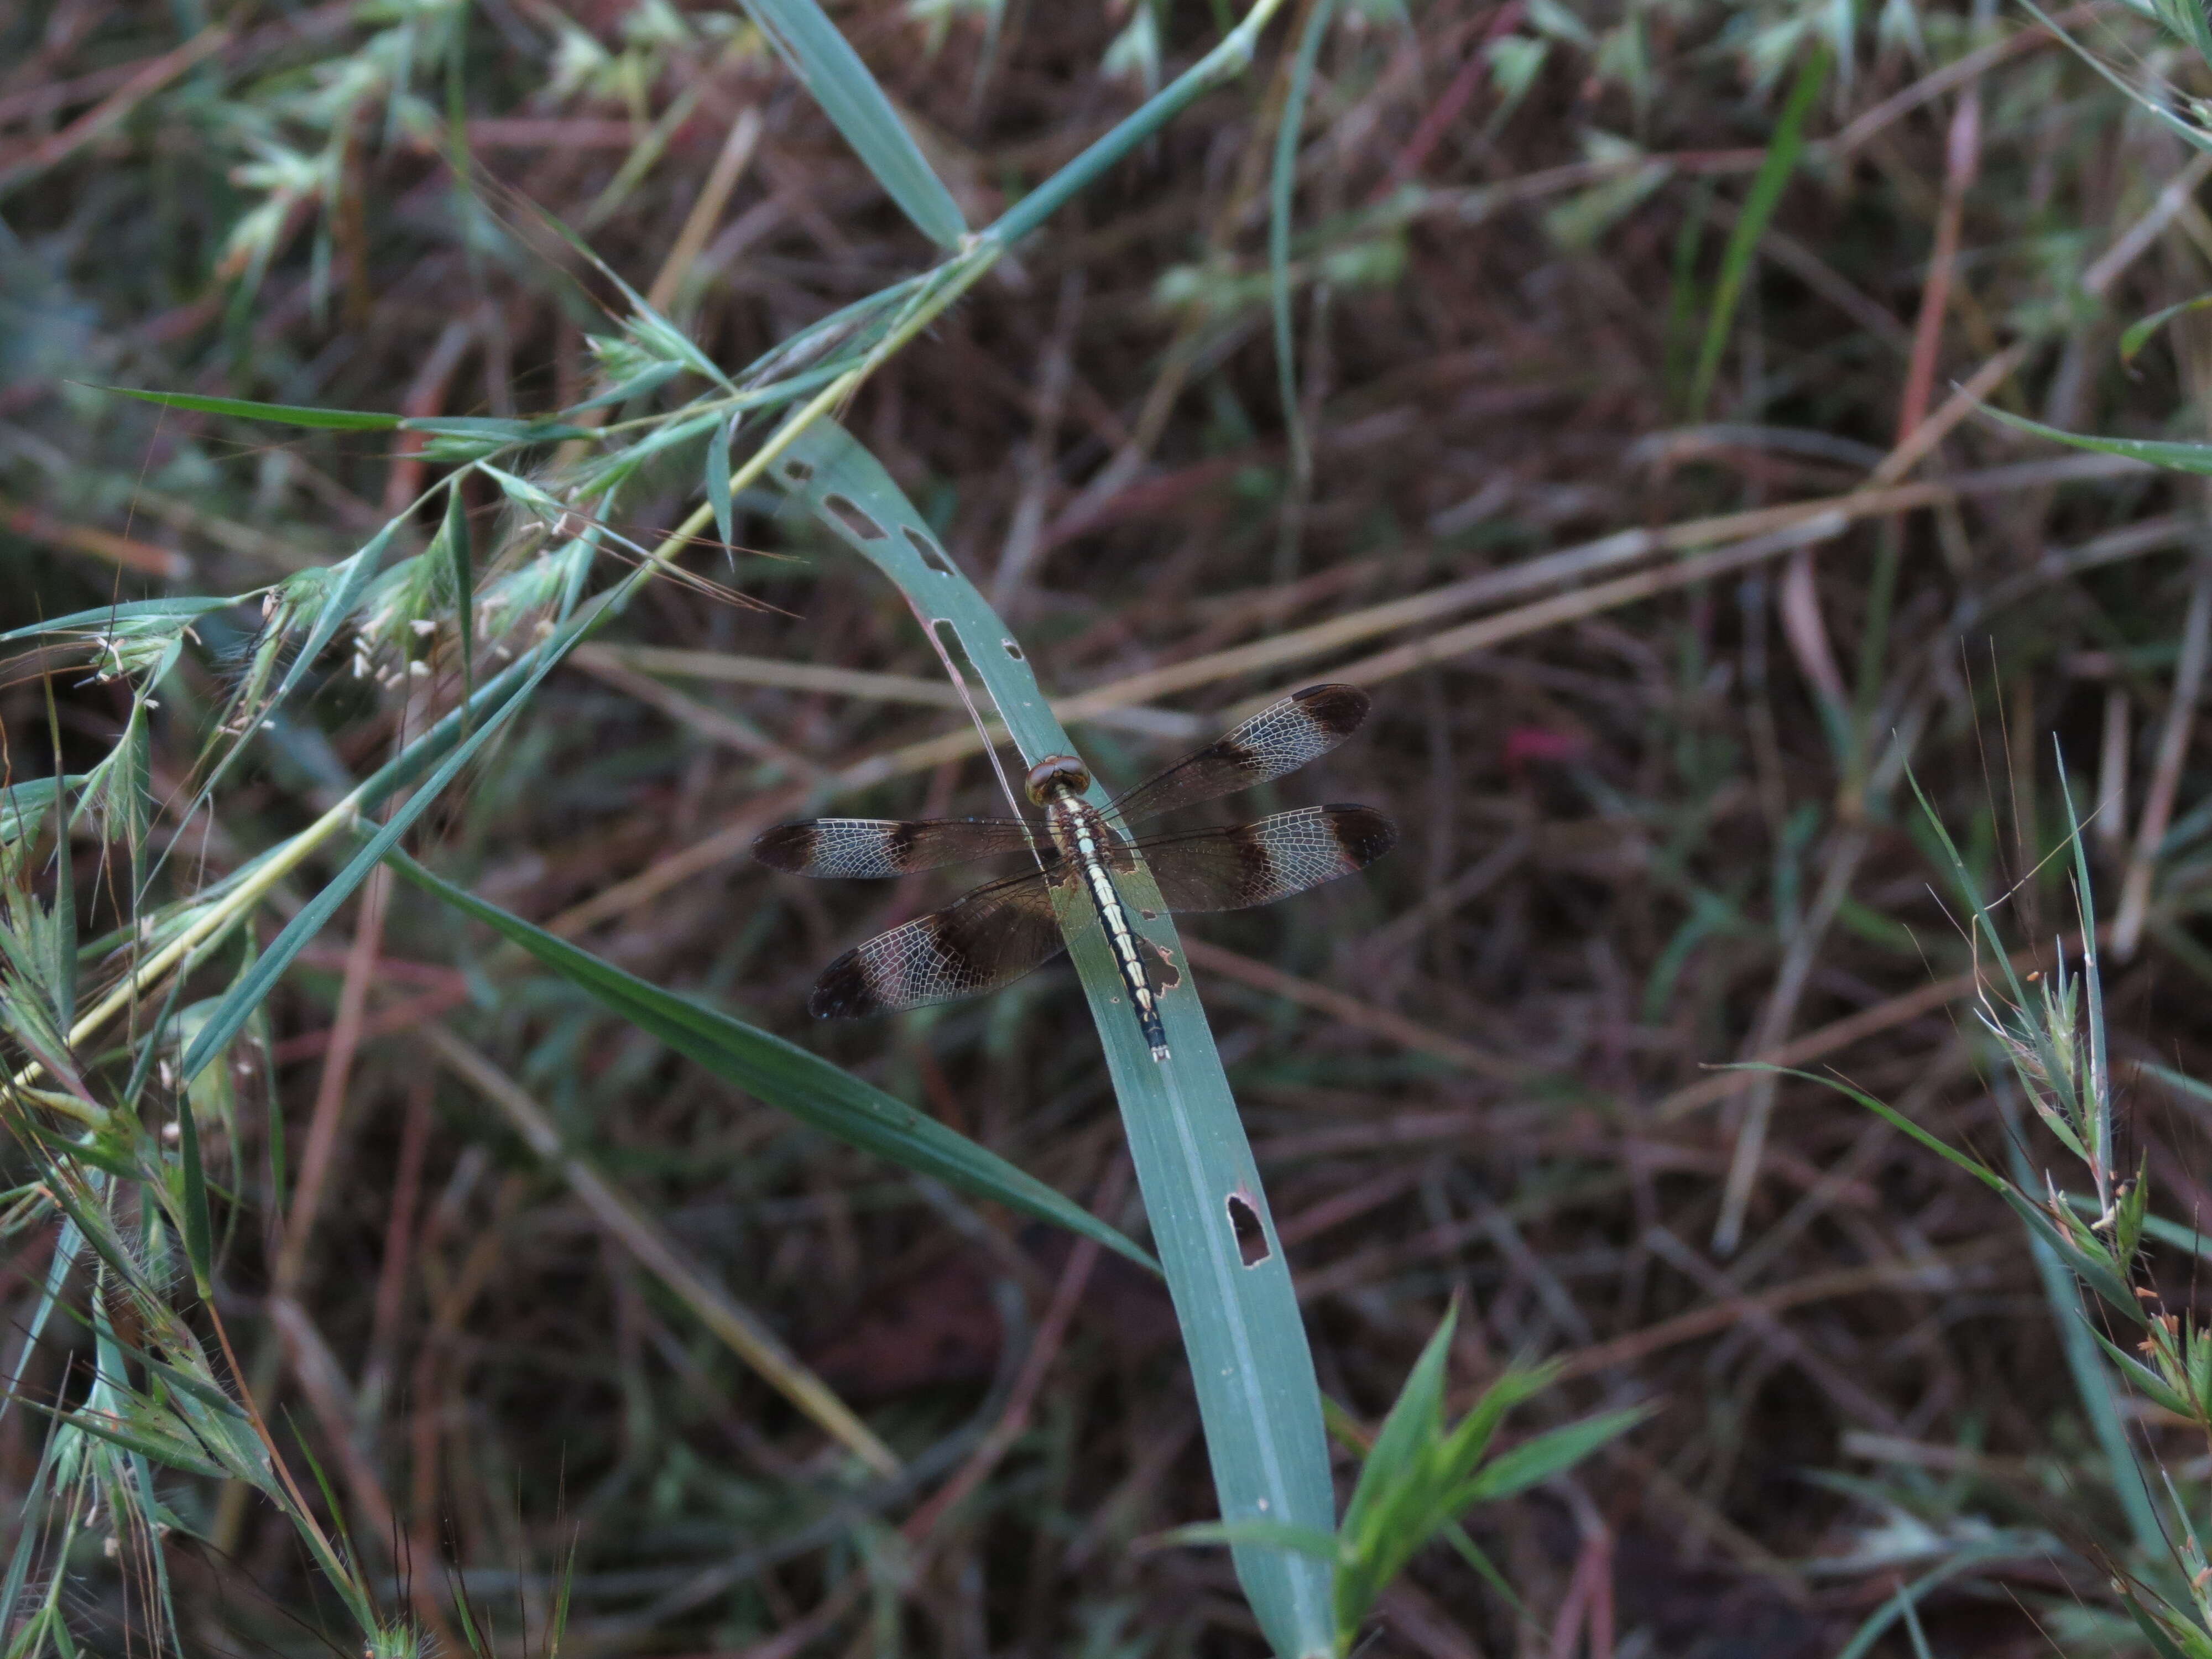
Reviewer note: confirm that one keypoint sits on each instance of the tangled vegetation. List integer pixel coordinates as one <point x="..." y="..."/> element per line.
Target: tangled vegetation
<point x="1730" y="1182"/>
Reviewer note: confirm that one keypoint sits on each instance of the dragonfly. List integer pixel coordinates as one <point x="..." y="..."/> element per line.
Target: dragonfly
<point x="1006" y="928"/>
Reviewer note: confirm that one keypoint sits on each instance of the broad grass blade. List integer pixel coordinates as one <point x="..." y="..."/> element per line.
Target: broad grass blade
<point x="784" y="1075"/>
<point x="848" y="94"/>
<point x="1240" y="1324"/>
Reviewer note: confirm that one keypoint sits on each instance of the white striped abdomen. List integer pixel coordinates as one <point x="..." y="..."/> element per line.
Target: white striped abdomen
<point x="1090" y="849"/>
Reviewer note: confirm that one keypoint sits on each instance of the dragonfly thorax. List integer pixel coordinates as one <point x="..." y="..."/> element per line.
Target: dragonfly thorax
<point x="1054" y="773"/>
<point x="1081" y="832"/>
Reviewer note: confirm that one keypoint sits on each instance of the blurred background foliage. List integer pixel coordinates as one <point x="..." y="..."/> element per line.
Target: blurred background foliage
<point x="1678" y="292"/>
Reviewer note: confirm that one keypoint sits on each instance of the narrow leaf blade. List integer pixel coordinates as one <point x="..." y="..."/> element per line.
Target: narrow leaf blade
<point x="1781" y="160"/>
<point x="851" y="97"/>
<point x="1537" y="1461"/>
<point x="133" y="611"/>
<point x="783" y="1075"/>
<point x="718" y="480"/>
<point x="199" y="1248"/>
<point x="344" y="420"/>
<point x="454" y="534"/>
<point x="2160" y="453"/>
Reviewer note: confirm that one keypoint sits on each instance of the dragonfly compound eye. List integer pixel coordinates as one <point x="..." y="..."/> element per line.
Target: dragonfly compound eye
<point x="1053" y="771"/>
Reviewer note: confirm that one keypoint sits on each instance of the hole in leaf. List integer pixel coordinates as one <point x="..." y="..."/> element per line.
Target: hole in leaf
<point x="958" y="663"/>
<point x="932" y="555"/>
<point x="853" y="519"/>
<point x="1149" y="915"/>
<point x="1251" y="1237"/>
<point x="1170" y="975"/>
<point x="797" y="472"/>
<point x="1012" y="650"/>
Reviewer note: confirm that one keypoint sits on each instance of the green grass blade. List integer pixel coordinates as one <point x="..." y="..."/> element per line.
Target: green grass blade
<point x="718" y="483"/>
<point x="176" y="611"/>
<point x="1224" y="63"/>
<point x="61" y="929"/>
<point x="29" y="1526"/>
<point x="1758" y="207"/>
<point x="1280" y="184"/>
<point x="2092" y="981"/>
<point x="454" y="534"/>
<point x="830" y="70"/>
<point x="170" y="1452"/>
<point x="2138" y="333"/>
<point x="2173" y="457"/>
<point x="1897" y="1120"/>
<point x="1241" y="1326"/>
<point x="1304" y="1541"/>
<point x="1890" y="1611"/>
<point x="344" y="420"/>
<point x="2188" y="131"/>
<point x="1415" y="1424"/>
<point x="2161" y="1643"/>
<point x="24" y="805"/>
<point x="1537" y="1461"/>
<point x="67" y="1240"/>
<point x="198" y="1233"/>
<point x="2092" y="1382"/>
<point x="484" y="428"/>
<point x="1384" y="1522"/>
<point x="784" y="1075"/>
<point x="1472" y="1552"/>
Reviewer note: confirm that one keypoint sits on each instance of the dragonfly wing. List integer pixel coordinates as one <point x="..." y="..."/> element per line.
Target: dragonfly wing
<point x="991" y="938"/>
<point x="1249" y="864"/>
<point x="1281" y="738"/>
<point x="875" y="847"/>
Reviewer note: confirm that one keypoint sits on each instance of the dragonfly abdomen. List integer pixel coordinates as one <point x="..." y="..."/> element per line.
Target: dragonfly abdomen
<point x="1084" y="841"/>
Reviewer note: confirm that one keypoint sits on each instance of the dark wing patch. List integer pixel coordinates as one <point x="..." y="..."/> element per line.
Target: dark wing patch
<point x="878" y="848"/>
<point x="1279" y="739"/>
<point x="990" y="937"/>
<point x="1250" y="863"/>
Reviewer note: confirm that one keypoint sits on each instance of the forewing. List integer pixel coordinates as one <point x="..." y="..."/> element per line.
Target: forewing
<point x="1281" y="738"/>
<point x="875" y="847"/>
<point x="991" y="938"/>
<point x="1250" y="863"/>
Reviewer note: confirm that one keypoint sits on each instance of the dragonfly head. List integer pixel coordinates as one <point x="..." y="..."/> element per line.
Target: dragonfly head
<point x="1047" y="777"/>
